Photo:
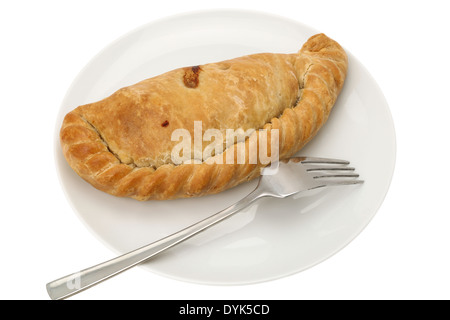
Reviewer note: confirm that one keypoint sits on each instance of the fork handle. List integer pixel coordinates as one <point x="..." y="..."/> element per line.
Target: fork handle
<point x="84" y="279"/>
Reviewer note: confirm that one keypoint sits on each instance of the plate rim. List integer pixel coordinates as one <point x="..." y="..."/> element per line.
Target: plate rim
<point x="227" y="11"/>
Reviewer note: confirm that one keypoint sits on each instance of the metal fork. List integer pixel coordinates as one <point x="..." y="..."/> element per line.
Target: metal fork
<point x="291" y="176"/>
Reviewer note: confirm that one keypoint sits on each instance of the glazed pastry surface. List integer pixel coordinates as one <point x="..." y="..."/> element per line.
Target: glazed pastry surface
<point x="124" y="144"/>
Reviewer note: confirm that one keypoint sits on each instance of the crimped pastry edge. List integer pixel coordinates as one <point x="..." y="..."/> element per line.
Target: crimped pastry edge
<point x="325" y="65"/>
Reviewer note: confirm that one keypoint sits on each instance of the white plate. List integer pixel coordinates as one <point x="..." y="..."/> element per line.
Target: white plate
<point x="274" y="237"/>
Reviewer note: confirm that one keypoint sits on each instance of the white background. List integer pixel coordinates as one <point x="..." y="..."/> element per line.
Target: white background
<point x="402" y="254"/>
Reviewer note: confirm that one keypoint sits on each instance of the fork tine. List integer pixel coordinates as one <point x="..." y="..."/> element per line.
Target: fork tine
<point x="332" y="183"/>
<point x="344" y="175"/>
<point x="330" y="169"/>
<point x="323" y="160"/>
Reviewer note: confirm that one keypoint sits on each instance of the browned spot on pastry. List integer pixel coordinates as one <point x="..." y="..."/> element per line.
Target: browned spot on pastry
<point x="101" y="161"/>
<point x="190" y="77"/>
<point x="223" y="66"/>
<point x="77" y="133"/>
<point x="165" y="124"/>
<point x="84" y="149"/>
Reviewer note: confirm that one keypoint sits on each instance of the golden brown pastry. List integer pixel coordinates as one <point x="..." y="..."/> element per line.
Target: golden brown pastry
<point x="123" y="143"/>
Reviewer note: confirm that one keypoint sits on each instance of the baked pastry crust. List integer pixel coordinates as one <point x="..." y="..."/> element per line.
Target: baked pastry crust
<point x="122" y="144"/>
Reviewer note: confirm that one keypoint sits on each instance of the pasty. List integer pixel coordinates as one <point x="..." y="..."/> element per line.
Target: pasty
<point x="124" y="144"/>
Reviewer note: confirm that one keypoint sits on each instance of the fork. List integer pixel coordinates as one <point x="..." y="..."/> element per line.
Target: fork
<point x="290" y="177"/>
